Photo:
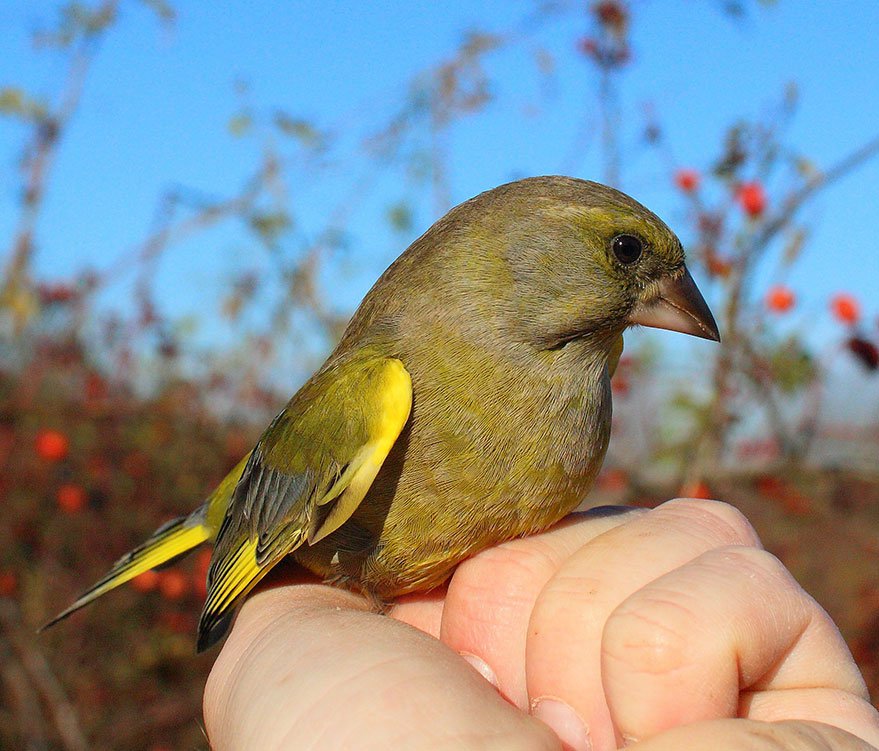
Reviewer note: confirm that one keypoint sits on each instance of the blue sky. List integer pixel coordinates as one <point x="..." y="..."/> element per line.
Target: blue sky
<point x="159" y="98"/>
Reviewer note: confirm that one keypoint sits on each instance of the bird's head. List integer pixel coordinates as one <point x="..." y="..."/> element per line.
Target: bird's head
<point x="587" y="261"/>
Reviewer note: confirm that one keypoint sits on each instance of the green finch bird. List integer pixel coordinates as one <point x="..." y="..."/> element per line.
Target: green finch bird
<point x="468" y="401"/>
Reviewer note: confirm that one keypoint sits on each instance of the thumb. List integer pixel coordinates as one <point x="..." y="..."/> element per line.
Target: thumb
<point x="309" y="663"/>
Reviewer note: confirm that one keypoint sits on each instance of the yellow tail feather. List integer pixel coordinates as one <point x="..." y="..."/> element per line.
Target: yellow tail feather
<point x="168" y="542"/>
<point x="234" y="578"/>
<point x="174" y="539"/>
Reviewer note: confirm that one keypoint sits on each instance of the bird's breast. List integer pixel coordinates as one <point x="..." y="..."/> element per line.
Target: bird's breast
<point x="488" y="455"/>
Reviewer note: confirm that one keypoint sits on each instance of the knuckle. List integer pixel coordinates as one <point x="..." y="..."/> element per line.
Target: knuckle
<point x="719" y="516"/>
<point x="650" y="635"/>
<point x="757" y="562"/>
<point x="570" y="604"/>
<point x="504" y="573"/>
<point x="514" y="563"/>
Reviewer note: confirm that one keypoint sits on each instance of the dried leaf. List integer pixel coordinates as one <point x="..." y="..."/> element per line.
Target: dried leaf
<point x="793" y="246"/>
<point x="545" y="61"/>
<point x="162" y="9"/>
<point x="300" y="129"/>
<point x="807" y="168"/>
<point x="77" y="21"/>
<point x="270" y="225"/>
<point x="865" y="352"/>
<point x="791" y="366"/>
<point x="16" y="102"/>
<point x="791" y="97"/>
<point x="400" y="216"/>
<point x="478" y="42"/>
<point x="240" y="124"/>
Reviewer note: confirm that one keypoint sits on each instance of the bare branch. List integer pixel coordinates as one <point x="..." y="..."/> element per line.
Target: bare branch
<point x="172" y="232"/>
<point x="37" y="164"/>
<point x="41" y="676"/>
<point x="824" y="179"/>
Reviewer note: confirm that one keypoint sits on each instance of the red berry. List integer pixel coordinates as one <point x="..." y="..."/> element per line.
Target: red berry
<point x="687" y="180"/>
<point x="173" y="584"/>
<point x="51" y="445"/>
<point x="136" y="465"/>
<point x="613" y="480"/>
<point x="200" y="576"/>
<point x="95" y="387"/>
<point x="146" y="582"/>
<point x="8" y="583"/>
<point x="55" y="293"/>
<point x="752" y="198"/>
<point x="199" y="585"/>
<point x="787" y="496"/>
<point x="203" y="560"/>
<point x="780" y="299"/>
<point x="698" y="489"/>
<point x="71" y="498"/>
<point x="178" y="622"/>
<point x="612" y="14"/>
<point x="587" y="47"/>
<point x="845" y="308"/>
<point x="717" y="265"/>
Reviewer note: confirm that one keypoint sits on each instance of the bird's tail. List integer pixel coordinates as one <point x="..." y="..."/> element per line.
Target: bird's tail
<point x="170" y="541"/>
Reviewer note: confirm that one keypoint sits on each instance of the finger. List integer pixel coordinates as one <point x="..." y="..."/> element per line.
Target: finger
<point x="563" y="652"/>
<point x="831" y="706"/>
<point x="423" y="610"/>
<point x="309" y="665"/>
<point x="682" y="647"/>
<point x="491" y="596"/>
<point x="750" y="735"/>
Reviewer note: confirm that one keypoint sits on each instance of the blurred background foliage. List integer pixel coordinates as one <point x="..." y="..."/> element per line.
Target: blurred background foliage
<point x="114" y="418"/>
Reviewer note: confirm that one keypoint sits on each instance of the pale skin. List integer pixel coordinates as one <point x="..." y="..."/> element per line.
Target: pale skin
<point x="664" y="629"/>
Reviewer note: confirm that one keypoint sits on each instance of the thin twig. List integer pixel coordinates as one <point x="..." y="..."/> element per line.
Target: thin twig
<point x="48" y="132"/>
<point x="824" y="179"/>
<point x="43" y="679"/>
<point x="712" y="438"/>
<point x="24" y="700"/>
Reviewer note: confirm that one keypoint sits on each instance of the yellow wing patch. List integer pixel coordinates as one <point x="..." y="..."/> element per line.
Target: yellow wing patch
<point x="393" y="410"/>
<point x="274" y="508"/>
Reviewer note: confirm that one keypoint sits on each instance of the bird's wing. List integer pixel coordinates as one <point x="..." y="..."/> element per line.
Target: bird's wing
<point x="307" y="475"/>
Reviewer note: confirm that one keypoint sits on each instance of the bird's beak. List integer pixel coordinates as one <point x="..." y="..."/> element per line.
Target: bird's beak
<point x="678" y="305"/>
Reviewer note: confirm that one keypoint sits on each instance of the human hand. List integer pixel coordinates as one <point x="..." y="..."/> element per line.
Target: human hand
<point x="652" y="628"/>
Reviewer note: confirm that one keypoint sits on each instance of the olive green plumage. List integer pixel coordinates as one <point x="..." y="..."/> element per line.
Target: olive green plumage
<point x="468" y="401"/>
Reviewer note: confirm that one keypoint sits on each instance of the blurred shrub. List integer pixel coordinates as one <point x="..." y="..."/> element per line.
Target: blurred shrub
<point x="89" y="468"/>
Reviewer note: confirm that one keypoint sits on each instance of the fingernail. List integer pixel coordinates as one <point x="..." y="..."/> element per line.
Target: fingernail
<point x="564" y="721"/>
<point x="482" y="667"/>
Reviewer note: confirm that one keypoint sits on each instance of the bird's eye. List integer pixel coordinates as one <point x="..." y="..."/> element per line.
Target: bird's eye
<point x="627" y="248"/>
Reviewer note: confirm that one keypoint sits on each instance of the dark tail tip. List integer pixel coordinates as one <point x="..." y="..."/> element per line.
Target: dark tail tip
<point x="49" y="624"/>
<point x="60" y="617"/>
<point x="212" y="629"/>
